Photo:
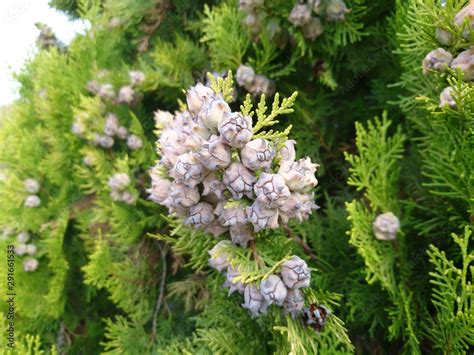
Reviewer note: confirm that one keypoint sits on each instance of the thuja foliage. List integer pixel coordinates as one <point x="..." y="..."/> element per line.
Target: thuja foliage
<point x="99" y="268"/>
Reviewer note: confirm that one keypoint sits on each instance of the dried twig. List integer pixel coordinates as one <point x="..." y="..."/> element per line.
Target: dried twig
<point x="161" y="292"/>
<point x="82" y="205"/>
<point x="256" y="258"/>
<point x="307" y="249"/>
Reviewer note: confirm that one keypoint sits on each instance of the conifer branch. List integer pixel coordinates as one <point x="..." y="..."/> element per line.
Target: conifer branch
<point x="222" y="86"/>
<point x="285" y="107"/>
<point x="246" y="107"/>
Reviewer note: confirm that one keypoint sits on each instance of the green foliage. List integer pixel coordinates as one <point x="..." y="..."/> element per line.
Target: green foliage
<point x="54" y="301"/>
<point x="264" y="120"/>
<point x="375" y="170"/>
<point x="222" y="86"/>
<point x="174" y="64"/>
<point x="189" y="241"/>
<point x="224" y="35"/>
<point x="125" y="337"/>
<point x="28" y="344"/>
<point x="443" y="138"/>
<point x="452" y="296"/>
<point x="126" y="279"/>
<point x="215" y="326"/>
<point x="68" y="6"/>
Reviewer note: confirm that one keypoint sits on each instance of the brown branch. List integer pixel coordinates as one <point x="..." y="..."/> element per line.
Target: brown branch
<point x="82" y="205"/>
<point x="76" y="208"/>
<point x="161" y="292"/>
<point x="63" y="339"/>
<point x="253" y="247"/>
<point x="307" y="249"/>
<point x="151" y="21"/>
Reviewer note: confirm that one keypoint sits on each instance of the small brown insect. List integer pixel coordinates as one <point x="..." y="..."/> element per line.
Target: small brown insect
<point x="315" y="316"/>
<point x="318" y="68"/>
